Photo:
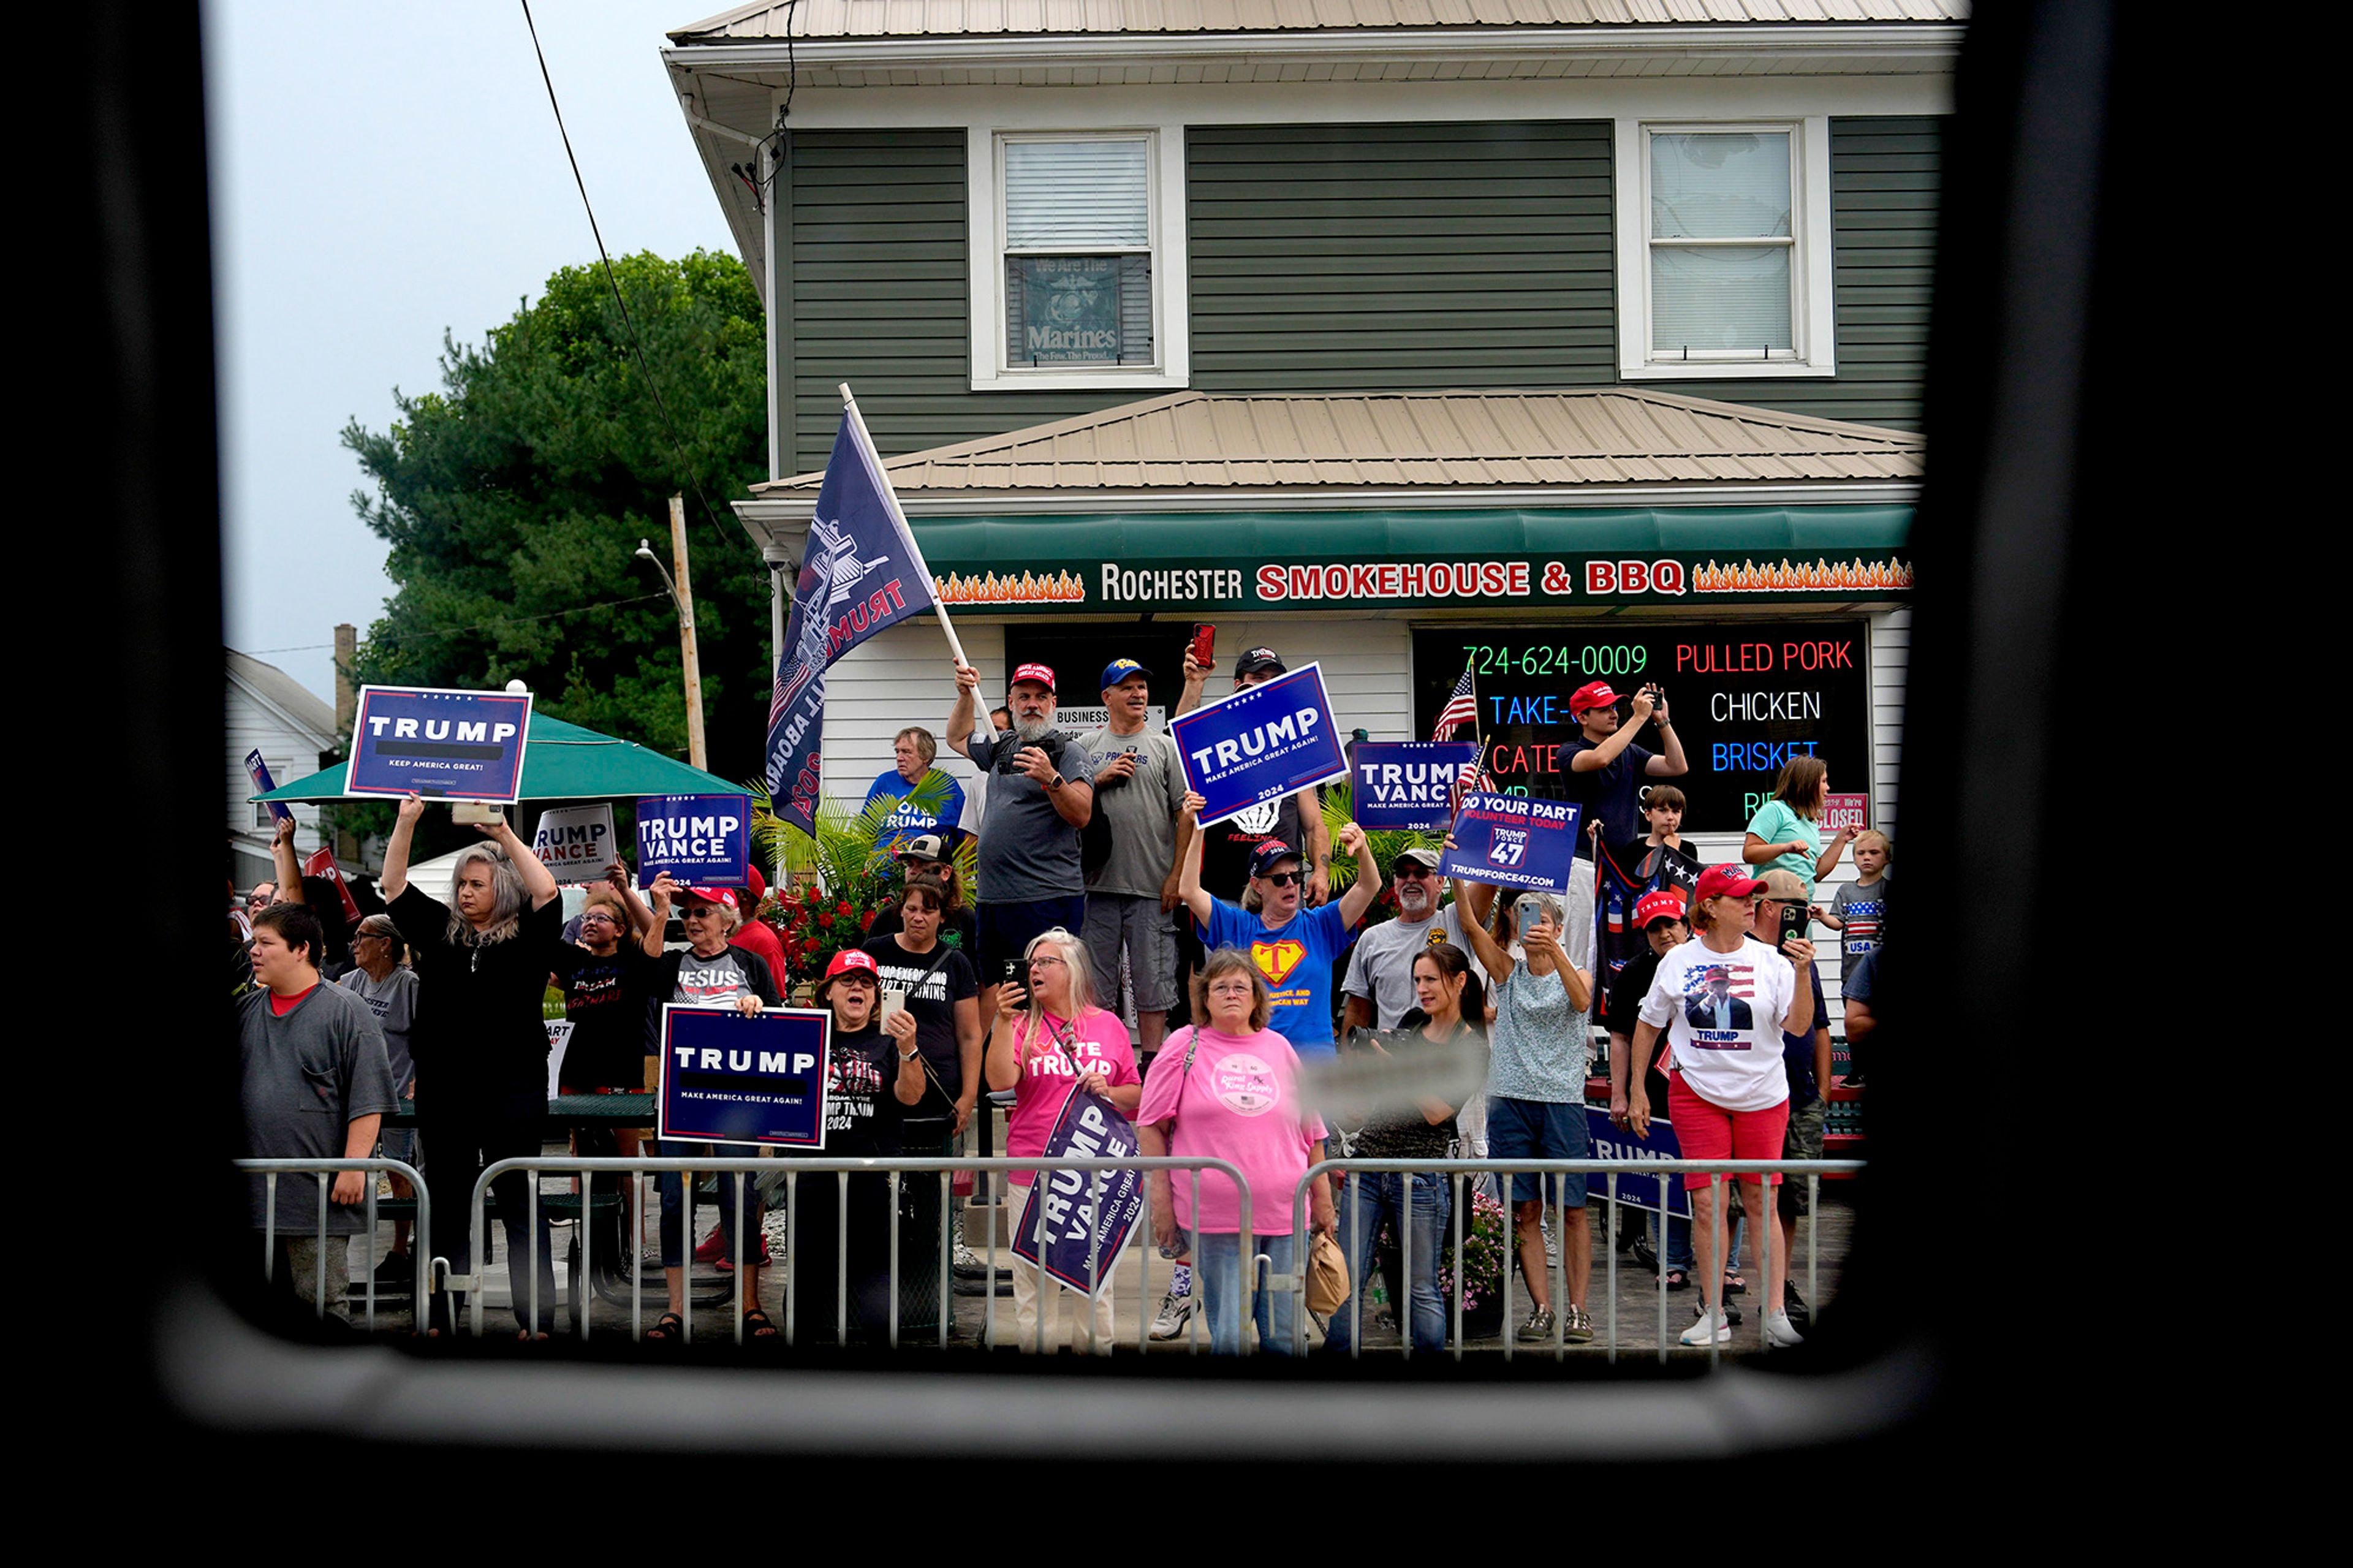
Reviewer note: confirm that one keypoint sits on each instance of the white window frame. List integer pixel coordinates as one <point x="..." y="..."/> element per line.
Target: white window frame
<point x="1164" y="161"/>
<point x="1812" y="325"/>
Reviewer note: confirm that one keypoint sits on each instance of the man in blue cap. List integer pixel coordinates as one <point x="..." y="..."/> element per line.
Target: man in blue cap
<point x="1132" y="891"/>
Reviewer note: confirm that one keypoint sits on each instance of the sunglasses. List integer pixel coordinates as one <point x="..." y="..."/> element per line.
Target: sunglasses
<point x="1408" y="870"/>
<point x="1283" y="878"/>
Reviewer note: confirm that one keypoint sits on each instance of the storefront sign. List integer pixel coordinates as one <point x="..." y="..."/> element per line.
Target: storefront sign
<point x="1513" y="843"/>
<point x="1090" y="1128"/>
<point x="1261" y="743"/>
<point x="1746" y="697"/>
<point x="575" y="842"/>
<point x="702" y="840"/>
<point x="732" y="1077"/>
<point x="1407" y="784"/>
<point x="444" y="745"/>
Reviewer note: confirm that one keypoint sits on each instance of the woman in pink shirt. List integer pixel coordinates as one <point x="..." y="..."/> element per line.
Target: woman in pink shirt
<point x="1232" y="1094"/>
<point x="1049" y="1041"/>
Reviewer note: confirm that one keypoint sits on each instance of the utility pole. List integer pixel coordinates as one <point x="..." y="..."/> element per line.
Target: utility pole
<point x="689" y="656"/>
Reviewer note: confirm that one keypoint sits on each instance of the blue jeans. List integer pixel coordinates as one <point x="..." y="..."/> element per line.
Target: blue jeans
<point x="1678" y="1252"/>
<point x="1218" y="1271"/>
<point x="674" y="1245"/>
<point x="1365" y="1203"/>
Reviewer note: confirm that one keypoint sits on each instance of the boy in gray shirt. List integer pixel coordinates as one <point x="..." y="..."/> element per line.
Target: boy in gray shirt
<point x="313" y="1083"/>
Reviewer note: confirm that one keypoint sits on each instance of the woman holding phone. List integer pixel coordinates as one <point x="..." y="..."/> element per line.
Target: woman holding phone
<point x="1051" y="1041"/>
<point x="1786" y="833"/>
<point x="1536" y="1093"/>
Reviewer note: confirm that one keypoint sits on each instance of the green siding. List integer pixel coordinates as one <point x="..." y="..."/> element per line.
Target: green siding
<point x="1884" y="252"/>
<point x="1356" y="257"/>
<point x="1325" y="259"/>
<point x="879" y="299"/>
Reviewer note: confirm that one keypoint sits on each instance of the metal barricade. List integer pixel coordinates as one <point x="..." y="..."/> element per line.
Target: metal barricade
<point x="1456" y="1170"/>
<point x="789" y="1170"/>
<point x="421" y="1275"/>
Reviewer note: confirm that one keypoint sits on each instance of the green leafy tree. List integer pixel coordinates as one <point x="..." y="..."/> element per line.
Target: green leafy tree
<point x="514" y="499"/>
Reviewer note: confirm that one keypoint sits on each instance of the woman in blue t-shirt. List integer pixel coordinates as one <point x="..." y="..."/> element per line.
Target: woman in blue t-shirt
<point x="1786" y="833"/>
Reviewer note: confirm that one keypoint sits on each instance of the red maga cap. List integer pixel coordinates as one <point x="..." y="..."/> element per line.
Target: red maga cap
<point x="1042" y="674"/>
<point x="1723" y="881"/>
<point x="1659" y="904"/>
<point x="847" y="959"/>
<point x="1593" y="694"/>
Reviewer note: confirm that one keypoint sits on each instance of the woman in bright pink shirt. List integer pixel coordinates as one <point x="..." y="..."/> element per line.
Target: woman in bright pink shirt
<point x="1049" y="1041"/>
<point x="1232" y="1094"/>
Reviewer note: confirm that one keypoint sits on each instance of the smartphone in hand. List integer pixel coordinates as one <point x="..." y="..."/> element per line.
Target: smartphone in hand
<point x="1793" y="923"/>
<point x="1204" y="647"/>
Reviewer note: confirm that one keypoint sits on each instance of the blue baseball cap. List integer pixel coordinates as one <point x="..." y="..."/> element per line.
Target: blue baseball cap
<point x="1271" y="854"/>
<point x="1118" y="669"/>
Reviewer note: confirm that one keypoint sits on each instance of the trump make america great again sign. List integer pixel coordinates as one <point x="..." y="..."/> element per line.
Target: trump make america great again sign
<point x="1261" y="743"/>
<point x="444" y="745"/>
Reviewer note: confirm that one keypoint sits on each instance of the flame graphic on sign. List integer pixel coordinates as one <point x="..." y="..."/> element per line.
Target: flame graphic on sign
<point x="1785" y="577"/>
<point x="1029" y="588"/>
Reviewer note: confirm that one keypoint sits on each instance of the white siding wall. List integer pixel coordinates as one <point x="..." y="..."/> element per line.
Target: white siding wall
<point x="291" y="755"/>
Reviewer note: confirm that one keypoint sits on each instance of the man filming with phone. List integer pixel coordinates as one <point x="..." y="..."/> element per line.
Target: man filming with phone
<point x="1606" y="768"/>
<point x="1041" y="794"/>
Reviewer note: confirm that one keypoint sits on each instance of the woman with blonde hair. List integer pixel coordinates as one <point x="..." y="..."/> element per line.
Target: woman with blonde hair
<point x="479" y="1045"/>
<point x="1051" y="1041"/>
<point x="1786" y="833"/>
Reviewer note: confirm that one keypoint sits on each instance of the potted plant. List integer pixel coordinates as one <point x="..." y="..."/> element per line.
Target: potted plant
<point x="1486" y="1254"/>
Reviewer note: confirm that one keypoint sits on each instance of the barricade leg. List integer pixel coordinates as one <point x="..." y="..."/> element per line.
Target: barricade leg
<point x="269" y="1228"/>
<point x="948" y="1251"/>
<point x="1716" y="1228"/>
<point x="1459" y="1286"/>
<point x="1193" y="1320"/>
<point x="743" y="1260"/>
<point x="319" y="1270"/>
<point x="892" y="1275"/>
<point x="1613" y="1268"/>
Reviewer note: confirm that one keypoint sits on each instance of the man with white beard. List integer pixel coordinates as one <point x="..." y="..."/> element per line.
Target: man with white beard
<point x="1379" y="986"/>
<point x="1029" y="878"/>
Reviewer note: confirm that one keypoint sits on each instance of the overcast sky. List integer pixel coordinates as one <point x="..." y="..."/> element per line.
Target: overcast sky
<point x="381" y="173"/>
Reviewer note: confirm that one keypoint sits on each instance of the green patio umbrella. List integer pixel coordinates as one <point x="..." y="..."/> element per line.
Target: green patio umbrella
<point x="563" y="761"/>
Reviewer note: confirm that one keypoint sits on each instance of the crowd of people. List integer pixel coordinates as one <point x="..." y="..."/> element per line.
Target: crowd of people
<point x="1099" y="897"/>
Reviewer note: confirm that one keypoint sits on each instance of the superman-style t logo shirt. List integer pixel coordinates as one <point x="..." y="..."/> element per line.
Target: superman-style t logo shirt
<point x="1295" y="959"/>
<point x="1276" y="960"/>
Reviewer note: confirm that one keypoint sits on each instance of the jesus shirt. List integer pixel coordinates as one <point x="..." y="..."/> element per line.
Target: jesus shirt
<point x="1722" y="1013"/>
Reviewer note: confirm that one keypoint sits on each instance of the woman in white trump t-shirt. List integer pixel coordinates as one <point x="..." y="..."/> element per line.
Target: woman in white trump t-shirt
<point x="1725" y="1002"/>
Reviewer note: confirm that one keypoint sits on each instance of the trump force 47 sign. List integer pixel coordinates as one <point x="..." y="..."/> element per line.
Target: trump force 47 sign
<point x="1513" y="842"/>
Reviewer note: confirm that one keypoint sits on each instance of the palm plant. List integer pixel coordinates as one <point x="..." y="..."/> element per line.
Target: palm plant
<point x="1381" y="843"/>
<point x="840" y="859"/>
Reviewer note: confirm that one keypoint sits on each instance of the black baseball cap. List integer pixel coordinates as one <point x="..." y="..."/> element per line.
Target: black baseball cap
<point x="1257" y="659"/>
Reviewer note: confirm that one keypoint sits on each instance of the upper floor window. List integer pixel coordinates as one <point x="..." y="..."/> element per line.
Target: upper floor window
<point x="1724" y="250"/>
<point x="1075" y="291"/>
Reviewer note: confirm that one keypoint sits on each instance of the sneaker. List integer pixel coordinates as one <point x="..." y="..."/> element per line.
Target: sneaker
<point x="1731" y="1313"/>
<point x="1706" y="1329"/>
<point x="966" y="1264"/>
<point x="1577" y="1329"/>
<point x="726" y="1265"/>
<point x="1538" y="1327"/>
<point x="1795" y="1305"/>
<point x="710" y="1247"/>
<point x="1175" y="1311"/>
<point x="1780" y="1332"/>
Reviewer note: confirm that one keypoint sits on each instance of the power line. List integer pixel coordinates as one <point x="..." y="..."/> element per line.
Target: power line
<point x="612" y="281"/>
<point x="460" y="631"/>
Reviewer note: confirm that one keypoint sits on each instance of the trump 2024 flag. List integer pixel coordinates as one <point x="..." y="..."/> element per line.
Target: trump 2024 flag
<point x="861" y="572"/>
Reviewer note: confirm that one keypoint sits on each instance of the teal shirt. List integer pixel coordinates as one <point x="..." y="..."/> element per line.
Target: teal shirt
<point x="1777" y="824"/>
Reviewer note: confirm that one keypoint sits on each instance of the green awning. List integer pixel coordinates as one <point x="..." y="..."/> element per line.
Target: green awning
<point x="563" y="761"/>
<point x="1421" y="558"/>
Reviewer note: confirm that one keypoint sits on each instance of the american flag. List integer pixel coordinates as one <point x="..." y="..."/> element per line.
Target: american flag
<point x="1462" y="708"/>
<point x="1472" y="780"/>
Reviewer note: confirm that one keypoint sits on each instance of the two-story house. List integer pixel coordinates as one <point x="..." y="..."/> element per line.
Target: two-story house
<point x="1570" y="339"/>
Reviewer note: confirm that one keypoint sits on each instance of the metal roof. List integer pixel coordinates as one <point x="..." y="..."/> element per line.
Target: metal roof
<point x="300" y="705"/>
<point x="765" y="19"/>
<point x="1203" y="441"/>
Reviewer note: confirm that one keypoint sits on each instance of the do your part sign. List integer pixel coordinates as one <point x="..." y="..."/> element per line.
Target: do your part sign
<point x="1513" y="842"/>
<point x="1260" y="744"/>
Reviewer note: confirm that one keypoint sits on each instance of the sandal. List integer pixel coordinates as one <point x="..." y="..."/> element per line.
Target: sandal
<point x="758" y="1325"/>
<point x="1678" y="1281"/>
<point x="669" y="1328"/>
<point x="1734" y="1284"/>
